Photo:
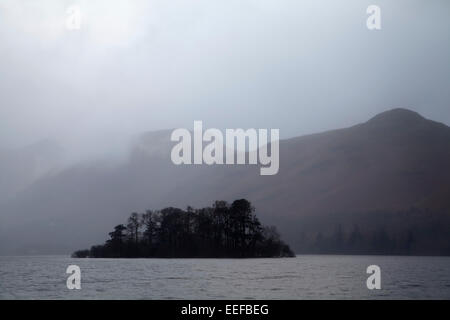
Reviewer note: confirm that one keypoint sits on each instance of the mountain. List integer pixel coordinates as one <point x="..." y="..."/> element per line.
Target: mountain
<point x="386" y="181"/>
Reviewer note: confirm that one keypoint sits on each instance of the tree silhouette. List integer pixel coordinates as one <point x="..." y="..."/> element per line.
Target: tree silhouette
<point x="117" y="239"/>
<point x="219" y="231"/>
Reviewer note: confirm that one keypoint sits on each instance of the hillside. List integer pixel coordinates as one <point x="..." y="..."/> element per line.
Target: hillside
<point x="387" y="178"/>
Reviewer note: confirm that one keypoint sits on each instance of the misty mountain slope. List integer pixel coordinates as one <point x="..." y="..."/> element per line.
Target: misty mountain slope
<point x="392" y="171"/>
<point x="20" y="167"/>
<point x="396" y="159"/>
<point x="80" y="205"/>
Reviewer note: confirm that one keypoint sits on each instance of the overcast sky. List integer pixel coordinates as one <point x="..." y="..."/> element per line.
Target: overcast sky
<point x="300" y="66"/>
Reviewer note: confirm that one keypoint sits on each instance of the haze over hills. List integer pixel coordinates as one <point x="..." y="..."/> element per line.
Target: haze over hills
<point x="20" y="167"/>
<point x="388" y="179"/>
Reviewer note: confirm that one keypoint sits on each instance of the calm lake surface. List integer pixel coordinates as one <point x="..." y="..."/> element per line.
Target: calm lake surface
<point x="303" y="277"/>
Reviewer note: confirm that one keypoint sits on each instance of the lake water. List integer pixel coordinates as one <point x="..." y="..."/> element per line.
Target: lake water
<point x="303" y="277"/>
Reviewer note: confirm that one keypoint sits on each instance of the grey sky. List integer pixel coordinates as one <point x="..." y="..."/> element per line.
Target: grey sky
<point x="300" y="66"/>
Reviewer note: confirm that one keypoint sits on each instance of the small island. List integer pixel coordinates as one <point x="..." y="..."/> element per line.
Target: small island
<point x="220" y="231"/>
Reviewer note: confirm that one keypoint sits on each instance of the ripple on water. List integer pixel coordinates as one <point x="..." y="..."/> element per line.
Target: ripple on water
<point x="304" y="277"/>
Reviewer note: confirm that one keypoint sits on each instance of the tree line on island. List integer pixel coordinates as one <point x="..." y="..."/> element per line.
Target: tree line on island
<point x="220" y="231"/>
